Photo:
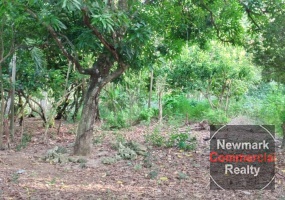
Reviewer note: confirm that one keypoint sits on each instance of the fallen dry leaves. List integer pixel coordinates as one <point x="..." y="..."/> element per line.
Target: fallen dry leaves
<point x="179" y="174"/>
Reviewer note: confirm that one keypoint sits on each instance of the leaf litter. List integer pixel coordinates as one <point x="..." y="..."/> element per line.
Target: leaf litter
<point x="160" y="173"/>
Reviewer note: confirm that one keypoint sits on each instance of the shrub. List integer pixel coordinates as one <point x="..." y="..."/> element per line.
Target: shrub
<point x="117" y="120"/>
<point x="179" y="105"/>
<point x="146" y="114"/>
<point x="216" y="116"/>
<point x="155" y="138"/>
<point x="181" y="141"/>
<point x="26" y="138"/>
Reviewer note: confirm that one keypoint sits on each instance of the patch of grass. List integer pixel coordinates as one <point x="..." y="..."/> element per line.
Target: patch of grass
<point x="215" y="116"/>
<point x="98" y="139"/>
<point x="82" y="165"/>
<point x="147" y="114"/>
<point x="138" y="167"/>
<point x="15" y="177"/>
<point x="155" y="138"/>
<point x="52" y="182"/>
<point x="26" y="139"/>
<point x="116" y="120"/>
<point x="183" y="107"/>
<point x="82" y="160"/>
<point x="153" y="174"/>
<point x="181" y="141"/>
<point x="109" y="160"/>
<point x="61" y="150"/>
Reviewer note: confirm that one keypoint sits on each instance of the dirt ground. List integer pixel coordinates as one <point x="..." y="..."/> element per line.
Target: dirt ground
<point x="24" y="175"/>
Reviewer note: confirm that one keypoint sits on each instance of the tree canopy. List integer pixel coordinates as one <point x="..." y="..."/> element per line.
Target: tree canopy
<point x="102" y="39"/>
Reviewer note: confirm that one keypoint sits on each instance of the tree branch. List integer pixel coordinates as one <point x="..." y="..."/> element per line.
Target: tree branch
<point x="248" y="12"/>
<point x="62" y="48"/>
<point x="106" y="44"/>
<point x="12" y="46"/>
<point x="214" y="23"/>
<point x="121" y="69"/>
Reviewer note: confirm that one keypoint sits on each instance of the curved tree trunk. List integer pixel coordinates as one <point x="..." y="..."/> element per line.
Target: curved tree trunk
<point x="89" y="115"/>
<point x="98" y="80"/>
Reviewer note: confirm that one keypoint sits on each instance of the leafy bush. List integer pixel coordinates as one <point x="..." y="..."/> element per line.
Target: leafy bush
<point x="273" y="110"/>
<point x="179" y="105"/>
<point x="182" y="141"/>
<point x="120" y="139"/>
<point x="179" y="140"/>
<point x="222" y="72"/>
<point x="147" y="114"/>
<point x="117" y="120"/>
<point x="155" y="138"/>
<point x="265" y="104"/>
<point x="216" y="116"/>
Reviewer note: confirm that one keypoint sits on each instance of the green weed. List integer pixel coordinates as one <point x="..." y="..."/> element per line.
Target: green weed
<point x="26" y="138"/>
<point x="181" y="141"/>
<point x="155" y="138"/>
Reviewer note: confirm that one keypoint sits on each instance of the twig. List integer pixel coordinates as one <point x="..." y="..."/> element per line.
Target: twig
<point x="214" y="23"/>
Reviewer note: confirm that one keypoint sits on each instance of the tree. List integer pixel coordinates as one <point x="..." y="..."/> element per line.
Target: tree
<point x="10" y="41"/>
<point x="268" y="50"/>
<point x="122" y="34"/>
<point x="269" y="46"/>
<point x="223" y="72"/>
<point x="122" y="30"/>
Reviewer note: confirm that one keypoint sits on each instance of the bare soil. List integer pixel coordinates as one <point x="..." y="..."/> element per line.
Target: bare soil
<point x="24" y="175"/>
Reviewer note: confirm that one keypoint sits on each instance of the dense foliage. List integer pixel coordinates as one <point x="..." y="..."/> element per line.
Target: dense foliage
<point x="68" y="58"/>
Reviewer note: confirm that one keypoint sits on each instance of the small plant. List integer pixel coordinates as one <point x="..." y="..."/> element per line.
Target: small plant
<point x="153" y="174"/>
<point x="182" y="107"/>
<point x="137" y="167"/>
<point x="117" y="120"/>
<point x="15" y="177"/>
<point x="148" y="160"/>
<point x="120" y="138"/>
<point x="216" y="116"/>
<point x="82" y="160"/>
<point x="98" y="139"/>
<point x="181" y="141"/>
<point x="52" y="182"/>
<point x="146" y="114"/>
<point x="182" y="176"/>
<point x="155" y="138"/>
<point x="61" y="150"/>
<point x="26" y="138"/>
<point x="109" y="160"/>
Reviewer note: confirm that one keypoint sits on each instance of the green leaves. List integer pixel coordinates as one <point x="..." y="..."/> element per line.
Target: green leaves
<point x="222" y="72"/>
<point x="268" y="48"/>
<point x="39" y="57"/>
<point x="71" y="5"/>
<point x="110" y="21"/>
<point x="46" y="16"/>
<point x="104" y="20"/>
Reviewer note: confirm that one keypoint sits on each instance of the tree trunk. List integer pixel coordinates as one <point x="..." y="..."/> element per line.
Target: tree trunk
<point x="98" y="79"/>
<point x="150" y="88"/>
<point x="283" y="140"/>
<point x="160" y="106"/>
<point x="89" y="115"/>
<point x="12" y="108"/>
<point x="2" y="108"/>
